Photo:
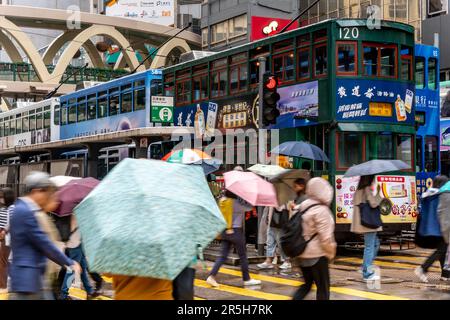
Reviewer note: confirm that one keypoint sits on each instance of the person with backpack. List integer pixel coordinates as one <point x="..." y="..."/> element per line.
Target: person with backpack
<point x="364" y="195"/>
<point x="429" y="227"/>
<point x="233" y="235"/>
<point x="276" y="218"/>
<point x="315" y="238"/>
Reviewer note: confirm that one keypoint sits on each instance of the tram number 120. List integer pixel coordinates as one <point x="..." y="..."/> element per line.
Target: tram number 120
<point x="349" y="33"/>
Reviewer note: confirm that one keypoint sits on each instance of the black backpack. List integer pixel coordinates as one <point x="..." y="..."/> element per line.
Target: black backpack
<point x="63" y="226"/>
<point x="279" y="218"/>
<point x="292" y="241"/>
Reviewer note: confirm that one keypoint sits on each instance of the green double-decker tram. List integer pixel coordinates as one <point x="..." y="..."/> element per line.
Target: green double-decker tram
<point x="345" y="86"/>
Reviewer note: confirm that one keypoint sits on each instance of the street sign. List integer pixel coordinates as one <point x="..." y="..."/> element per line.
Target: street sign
<point x="162" y="109"/>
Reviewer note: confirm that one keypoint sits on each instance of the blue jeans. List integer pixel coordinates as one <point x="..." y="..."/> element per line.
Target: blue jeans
<point x="77" y="255"/>
<point x="273" y="240"/>
<point x="371" y="246"/>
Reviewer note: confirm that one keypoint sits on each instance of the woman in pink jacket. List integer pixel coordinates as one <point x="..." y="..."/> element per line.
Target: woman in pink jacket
<point x="317" y="220"/>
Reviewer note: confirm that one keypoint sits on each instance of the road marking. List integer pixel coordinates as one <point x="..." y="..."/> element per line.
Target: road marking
<point x="242" y="291"/>
<point x="4" y="296"/>
<point x="296" y="283"/>
<point x="413" y="260"/>
<point x="385" y="264"/>
<point x="81" y="294"/>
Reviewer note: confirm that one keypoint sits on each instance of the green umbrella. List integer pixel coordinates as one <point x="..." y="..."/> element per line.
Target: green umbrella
<point x="147" y="218"/>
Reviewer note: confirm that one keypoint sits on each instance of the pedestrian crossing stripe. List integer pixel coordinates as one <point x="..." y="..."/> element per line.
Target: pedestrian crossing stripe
<point x="398" y="265"/>
<point x="242" y="291"/>
<point x="296" y="283"/>
<point x="406" y="259"/>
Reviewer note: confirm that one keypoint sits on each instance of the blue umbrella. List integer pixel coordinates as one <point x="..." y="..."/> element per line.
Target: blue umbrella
<point x="375" y="167"/>
<point x="208" y="165"/>
<point x="147" y="218"/>
<point x="301" y="149"/>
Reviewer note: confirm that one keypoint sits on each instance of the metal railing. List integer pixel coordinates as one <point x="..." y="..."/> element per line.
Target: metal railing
<point x="25" y="72"/>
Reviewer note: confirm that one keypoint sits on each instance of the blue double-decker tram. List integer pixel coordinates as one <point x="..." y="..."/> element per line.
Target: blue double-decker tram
<point x="120" y="104"/>
<point x="428" y="141"/>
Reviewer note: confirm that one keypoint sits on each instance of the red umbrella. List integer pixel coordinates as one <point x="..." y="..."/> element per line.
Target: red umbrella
<point x="72" y="193"/>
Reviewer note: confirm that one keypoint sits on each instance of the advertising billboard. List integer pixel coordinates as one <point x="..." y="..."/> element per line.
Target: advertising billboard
<point x="154" y="11"/>
<point x="375" y="101"/>
<point x="263" y="27"/>
<point x="399" y="190"/>
<point x="25" y="139"/>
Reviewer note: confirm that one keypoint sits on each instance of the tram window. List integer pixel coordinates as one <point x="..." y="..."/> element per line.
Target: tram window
<point x="127" y="102"/>
<point x="419" y="153"/>
<point x="39" y="121"/>
<point x="320" y="57"/>
<point x="18" y="124"/>
<point x="346" y="53"/>
<point x="12" y="127"/>
<point x="6" y="128"/>
<point x="404" y="148"/>
<point x="219" y="83"/>
<point x="350" y="149"/>
<point x="113" y="106"/>
<point x="92" y="109"/>
<point x="63" y="115"/>
<point x="387" y="61"/>
<point x="200" y="84"/>
<point x="184" y="91"/>
<point x="81" y="112"/>
<point x="431" y="155"/>
<point x="139" y="83"/>
<point x="25" y="124"/>
<point x="72" y="114"/>
<point x="47" y="116"/>
<point x="234" y="79"/>
<point x="2" y="129"/>
<point x="139" y="99"/>
<point x="420" y="72"/>
<point x="385" y="146"/>
<point x="169" y="85"/>
<point x="125" y="87"/>
<point x="370" y="61"/>
<point x="432" y="73"/>
<point x="283" y="66"/>
<point x="56" y="115"/>
<point x="303" y="63"/>
<point x="102" y="107"/>
<point x="254" y="72"/>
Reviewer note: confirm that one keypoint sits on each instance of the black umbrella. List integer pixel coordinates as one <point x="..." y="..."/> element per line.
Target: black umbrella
<point x="301" y="149"/>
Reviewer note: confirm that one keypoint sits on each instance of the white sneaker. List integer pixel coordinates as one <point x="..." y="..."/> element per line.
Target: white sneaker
<point x="275" y="260"/>
<point x="252" y="282"/>
<point x="286" y="265"/>
<point x="419" y="273"/>
<point x="265" y="265"/>
<point x="373" y="277"/>
<point x="212" y="282"/>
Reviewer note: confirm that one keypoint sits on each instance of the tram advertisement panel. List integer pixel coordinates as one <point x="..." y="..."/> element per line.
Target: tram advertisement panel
<point x="375" y="101"/>
<point x="25" y="139"/>
<point x="400" y="190"/>
<point x="127" y="121"/>
<point x="445" y="134"/>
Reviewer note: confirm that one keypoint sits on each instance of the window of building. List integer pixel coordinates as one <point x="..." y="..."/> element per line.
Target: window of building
<point x="432" y="73"/>
<point x="351" y="149"/>
<point x="431" y="154"/>
<point x="283" y="66"/>
<point x="406" y="72"/>
<point x="114" y="105"/>
<point x="346" y="57"/>
<point x="420" y="72"/>
<point x="237" y="27"/>
<point x="219" y="32"/>
<point x="127" y="102"/>
<point x="320" y="58"/>
<point x="205" y="37"/>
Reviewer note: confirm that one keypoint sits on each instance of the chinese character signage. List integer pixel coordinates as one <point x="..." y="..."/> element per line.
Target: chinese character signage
<point x="154" y="11"/>
<point x="400" y="190"/>
<point x="162" y="109"/>
<point x="374" y="100"/>
<point x="298" y="105"/>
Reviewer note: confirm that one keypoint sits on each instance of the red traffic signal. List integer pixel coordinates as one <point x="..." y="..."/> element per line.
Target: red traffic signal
<point x="271" y="82"/>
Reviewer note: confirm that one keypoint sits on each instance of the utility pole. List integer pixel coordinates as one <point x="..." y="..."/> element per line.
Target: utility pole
<point x="261" y="141"/>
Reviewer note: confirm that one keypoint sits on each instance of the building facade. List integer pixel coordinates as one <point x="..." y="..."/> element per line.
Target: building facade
<point x="227" y="23"/>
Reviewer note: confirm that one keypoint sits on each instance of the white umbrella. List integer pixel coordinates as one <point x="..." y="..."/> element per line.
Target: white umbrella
<point x="267" y="170"/>
<point x="60" y="181"/>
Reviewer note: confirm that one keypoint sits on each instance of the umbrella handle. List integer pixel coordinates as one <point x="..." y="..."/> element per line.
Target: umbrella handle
<point x="201" y="257"/>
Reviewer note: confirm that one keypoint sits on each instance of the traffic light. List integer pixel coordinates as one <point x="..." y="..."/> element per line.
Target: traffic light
<point x="270" y="99"/>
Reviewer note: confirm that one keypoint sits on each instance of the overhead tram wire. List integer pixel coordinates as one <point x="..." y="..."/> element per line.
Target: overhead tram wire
<point x="54" y="91"/>
<point x="299" y="16"/>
